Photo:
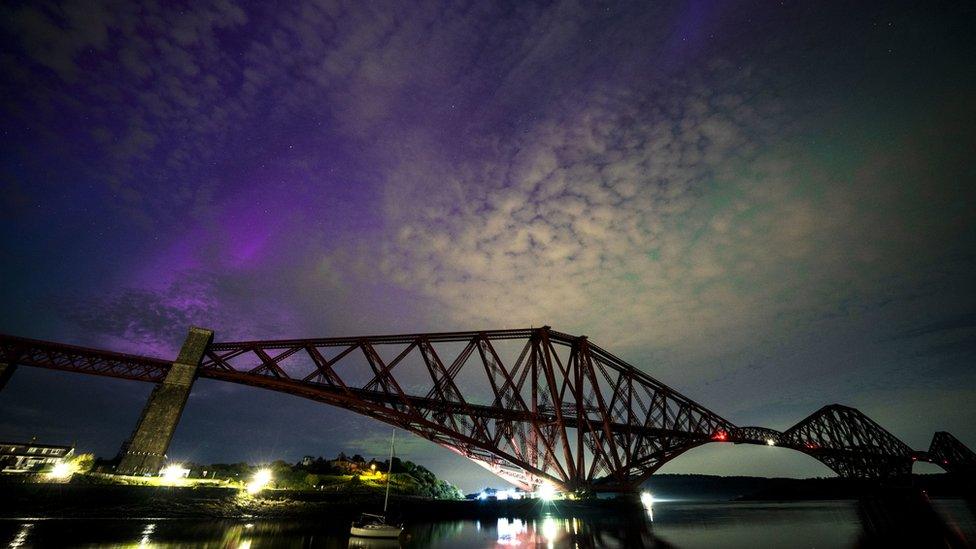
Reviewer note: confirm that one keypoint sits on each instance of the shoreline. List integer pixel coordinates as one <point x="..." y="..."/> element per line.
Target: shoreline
<point x="119" y="501"/>
<point x="102" y="501"/>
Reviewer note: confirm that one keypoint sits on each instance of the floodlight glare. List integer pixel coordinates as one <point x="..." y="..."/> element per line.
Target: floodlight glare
<point x="259" y="481"/>
<point x="173" y="473"/>
<point x="61" y="470"/>
<point x="647" y="499"/>
<point x="547" y="492"/>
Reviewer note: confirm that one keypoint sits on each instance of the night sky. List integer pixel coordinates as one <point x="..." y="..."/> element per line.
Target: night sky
<point x="767" y="205"/>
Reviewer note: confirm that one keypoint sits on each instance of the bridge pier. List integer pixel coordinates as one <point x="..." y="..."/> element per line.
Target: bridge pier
<point x="145" y="451"/>
<point x="6" y="371"/>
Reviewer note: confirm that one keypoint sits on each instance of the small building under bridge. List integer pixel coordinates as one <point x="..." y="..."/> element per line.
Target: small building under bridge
<point x="31" y="457"/>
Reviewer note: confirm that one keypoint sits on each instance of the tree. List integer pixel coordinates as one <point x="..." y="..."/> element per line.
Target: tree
<point x="82" y="463"/>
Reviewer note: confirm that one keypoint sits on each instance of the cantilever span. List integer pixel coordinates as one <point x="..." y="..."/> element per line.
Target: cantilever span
<point x="531" y="405"/>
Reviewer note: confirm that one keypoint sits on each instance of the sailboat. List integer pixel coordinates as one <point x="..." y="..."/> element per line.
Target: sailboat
<point x="375" y="526"/>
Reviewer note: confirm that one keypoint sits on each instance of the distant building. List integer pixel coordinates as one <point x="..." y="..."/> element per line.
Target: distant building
<point x="496" y="494"/>
<point x="349" y="466"/>
<point x="345" y="466"/>
<point x="28" y="457"/>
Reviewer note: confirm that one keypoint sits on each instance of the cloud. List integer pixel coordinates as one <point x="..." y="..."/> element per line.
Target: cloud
<point x="55" y="36"/>
<point x="960" y="322"/>
<point x="378" y="446"/>
<point x="154" y="322"/>
<point x="159" y="110"/>
<point x="678" y="218"/>
<point x="677" y="222"/>
<point x="597" y="204"/>
<point x="715" y="195"/>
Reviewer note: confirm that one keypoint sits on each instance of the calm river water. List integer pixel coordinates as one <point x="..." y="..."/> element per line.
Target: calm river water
<point x="672" y="524"/>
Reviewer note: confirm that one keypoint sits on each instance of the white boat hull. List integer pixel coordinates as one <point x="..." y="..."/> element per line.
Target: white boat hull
<point x="376" y="531"/>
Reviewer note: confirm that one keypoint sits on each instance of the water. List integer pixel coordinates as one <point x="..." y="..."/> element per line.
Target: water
<point x="671" y="524"/>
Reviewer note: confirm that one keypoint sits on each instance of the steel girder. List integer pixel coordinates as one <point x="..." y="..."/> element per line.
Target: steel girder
<point x="59" y="356"/>
<point x="556" y="409"/>
<point x="756" y="435"/>
<point x="951" y="454"/>
<point x="850" y="443"/>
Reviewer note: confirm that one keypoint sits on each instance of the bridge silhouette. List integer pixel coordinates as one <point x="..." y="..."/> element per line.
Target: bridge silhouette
<point x="559" y="409"/>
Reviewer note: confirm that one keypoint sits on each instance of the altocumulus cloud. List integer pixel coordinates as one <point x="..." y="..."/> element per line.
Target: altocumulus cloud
<point x="688" y="224"/>
<point x="718" y="195"/>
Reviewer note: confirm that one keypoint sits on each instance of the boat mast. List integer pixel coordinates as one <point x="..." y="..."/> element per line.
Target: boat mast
<point x="389" y="470"/>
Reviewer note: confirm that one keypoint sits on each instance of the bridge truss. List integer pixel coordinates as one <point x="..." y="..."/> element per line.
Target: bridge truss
<point x="533" y="405"/>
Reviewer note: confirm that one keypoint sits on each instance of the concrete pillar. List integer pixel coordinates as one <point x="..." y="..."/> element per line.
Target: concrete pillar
<point x="6" y="371"/>
<point x="145" y="451"/>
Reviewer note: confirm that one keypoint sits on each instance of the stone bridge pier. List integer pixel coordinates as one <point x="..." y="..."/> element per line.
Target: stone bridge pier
<point x="145" y="451"/>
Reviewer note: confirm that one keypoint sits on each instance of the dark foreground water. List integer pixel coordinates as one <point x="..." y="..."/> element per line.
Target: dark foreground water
<point x="670" y="524"/>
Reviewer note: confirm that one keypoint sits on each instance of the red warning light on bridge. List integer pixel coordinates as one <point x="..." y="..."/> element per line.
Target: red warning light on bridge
<point x="720" y="436"/>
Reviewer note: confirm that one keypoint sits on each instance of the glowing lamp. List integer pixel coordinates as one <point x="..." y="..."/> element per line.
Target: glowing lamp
<point x="173" y="473"/>
<point x="259" y="481"/>
<point x="546" y="491"/>
<point x="61" y="470"/>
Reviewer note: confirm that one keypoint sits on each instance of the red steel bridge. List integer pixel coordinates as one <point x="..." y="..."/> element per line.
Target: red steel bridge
<point x="557" y="408"/>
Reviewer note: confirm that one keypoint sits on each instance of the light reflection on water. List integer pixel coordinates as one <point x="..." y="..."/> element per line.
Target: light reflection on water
<point x="546" y="531"/>
<point x="21" y="537"/>
<point x="147" y="534"/>
<point x="675" y="524"/>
